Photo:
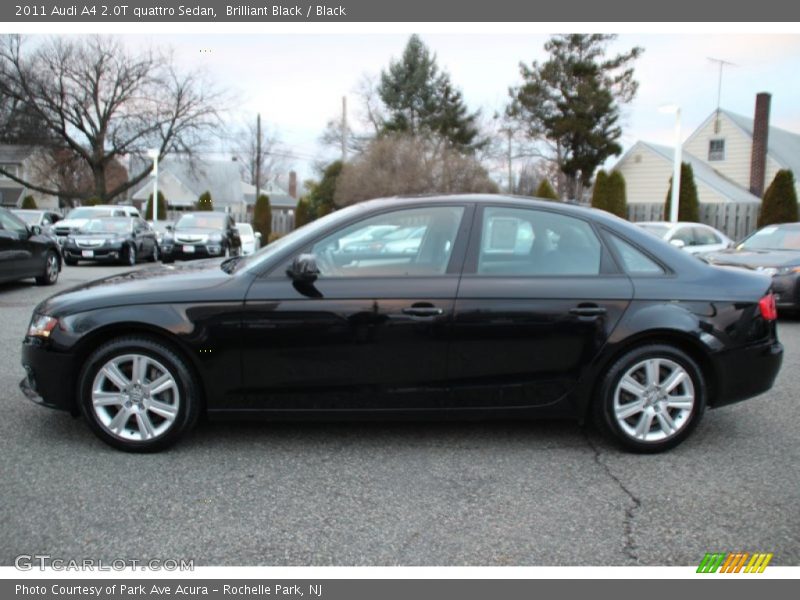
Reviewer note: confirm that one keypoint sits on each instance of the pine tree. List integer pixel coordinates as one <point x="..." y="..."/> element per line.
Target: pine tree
<point x="617" y="199"/>
<point x="321" y="194"/>
<point x="546" y="191"/>
<point x="204" y="202"/>
<point x="29" y="203"/>
<point x="161" y="210"/>
<point x="573" y="100"/>
<point x="262" y="217"/>
<point x="301" y="213"/>
<point x="600" y="193"/>
<point x="421" y="100"/>
<point x="688" y="204"/>
<point x="780" y="201"/>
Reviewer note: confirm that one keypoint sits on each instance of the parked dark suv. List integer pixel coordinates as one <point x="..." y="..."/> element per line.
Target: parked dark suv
<point x="201" y="235"/>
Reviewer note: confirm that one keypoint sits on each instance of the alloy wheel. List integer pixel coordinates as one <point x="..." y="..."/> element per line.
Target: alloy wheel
<point x="653" y="400"/>
<point x="135" y="397"/>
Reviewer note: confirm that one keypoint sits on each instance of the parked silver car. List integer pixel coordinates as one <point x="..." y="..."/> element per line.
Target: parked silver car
<point x="695" y="238"/>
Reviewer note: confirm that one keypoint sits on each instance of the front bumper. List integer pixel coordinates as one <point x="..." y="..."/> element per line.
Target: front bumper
<point x="50" y="376"/>
<point x="746" y="372"/>
<point x="103" y="253"/>
<point x="191" y="251"/>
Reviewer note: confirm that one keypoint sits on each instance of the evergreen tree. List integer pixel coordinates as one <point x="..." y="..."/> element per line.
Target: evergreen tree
<point x="28" y="202"/>
<point x="546" y="191"/>
<point x="161" y="210"/>
<point x="600" y="193"/>
<point x="301" y="213"/>
<point x="617" y="197"/>
<point x="688" y="204"/>
<point x="321" y="194"/>
<point x="204" y="202"/>
<point x="421" y="100"/>
<point x="780" y="201"/>
<point x="262" y="217"/>
<point x="573" y="100"/>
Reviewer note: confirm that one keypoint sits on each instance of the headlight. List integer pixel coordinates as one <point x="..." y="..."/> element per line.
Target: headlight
<point x="786" y="270"/>
<point x="41" y="326"/>
<point x="215" y="237"/>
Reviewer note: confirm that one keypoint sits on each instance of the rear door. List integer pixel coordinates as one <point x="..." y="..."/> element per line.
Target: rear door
<point x="538" y="298"/>
<point x="19" y="256"/>
<point x="371" y="332"/>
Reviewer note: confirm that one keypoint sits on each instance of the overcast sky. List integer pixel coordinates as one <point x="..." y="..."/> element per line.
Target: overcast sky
<point x="296" y="81"/>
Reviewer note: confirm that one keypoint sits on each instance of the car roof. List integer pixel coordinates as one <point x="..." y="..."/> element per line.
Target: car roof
<point x="784" y="225"/>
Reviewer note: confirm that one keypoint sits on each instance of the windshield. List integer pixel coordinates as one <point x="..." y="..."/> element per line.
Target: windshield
<point x="309" y="232"/>
<point x="201" y="221"/>
<point x="655" y="228"/>
<point x="31" y="218"/>
<point x="773" y="238"/>
<point x="107" y="226"/>
<point x="88" y="212"/>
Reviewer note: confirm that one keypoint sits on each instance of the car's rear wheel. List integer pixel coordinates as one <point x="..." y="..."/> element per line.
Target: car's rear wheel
<point x="138" y="395"/>
<point x="51" y="268"/>
<point x="652" y="398"/>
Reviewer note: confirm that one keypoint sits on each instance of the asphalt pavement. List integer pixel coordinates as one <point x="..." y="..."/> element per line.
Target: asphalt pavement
<point x="493" y="493"/>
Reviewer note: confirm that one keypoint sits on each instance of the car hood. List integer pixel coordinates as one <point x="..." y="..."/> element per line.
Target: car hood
<point x="71" y="223"/>
<point x="753" y="259"/>
<point x="198" y="281"/>
<point x="197" y="231"/>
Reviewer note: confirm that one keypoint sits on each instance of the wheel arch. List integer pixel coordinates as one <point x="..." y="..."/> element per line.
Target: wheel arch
<point x="106" y="333"/>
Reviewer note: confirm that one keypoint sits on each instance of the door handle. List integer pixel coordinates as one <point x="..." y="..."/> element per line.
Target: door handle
<point x="423" y="311"/>
<point x="587" y="311"/>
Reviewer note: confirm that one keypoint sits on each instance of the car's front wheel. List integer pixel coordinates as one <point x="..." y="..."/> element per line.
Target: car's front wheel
<point x="138" y="395"/>
<point x="651" y="398"/>
<point x="51" y="268"/>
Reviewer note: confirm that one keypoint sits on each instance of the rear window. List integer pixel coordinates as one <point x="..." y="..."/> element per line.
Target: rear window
<point x="634" y="260"/>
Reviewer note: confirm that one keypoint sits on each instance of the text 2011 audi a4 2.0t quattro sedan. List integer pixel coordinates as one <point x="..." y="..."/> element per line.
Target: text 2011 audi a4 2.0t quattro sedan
<point x="507" y="307"/>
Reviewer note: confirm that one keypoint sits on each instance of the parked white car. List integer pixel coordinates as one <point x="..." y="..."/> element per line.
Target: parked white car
<point x="251" y="240"/>
<point x="78" y="217"/>
<point x="695" y="238"/>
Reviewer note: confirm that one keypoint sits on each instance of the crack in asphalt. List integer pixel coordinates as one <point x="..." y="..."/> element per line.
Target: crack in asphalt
<point x="629" y="547"/>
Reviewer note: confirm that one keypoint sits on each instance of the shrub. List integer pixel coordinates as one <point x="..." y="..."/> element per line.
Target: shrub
<point x="262" y="217"/>
<point x="301" y="213"/>
<point x="161" y="209"/>
<point x="600" y="192"/>
<point x="546" y="191"/>
<point x="780" y="200"/>
<point x="29" y="202"/>
<point x="204" y="202"/>
<point x="617" y="200"/>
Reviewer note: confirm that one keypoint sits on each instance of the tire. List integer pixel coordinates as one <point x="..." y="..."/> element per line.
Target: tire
<point x="70" y="261"/>
<point x="154" y="255"/>
<point x="153" y="420"/>
<point x="129" y="256"/>
<point x="167" y="260"/>
<point x="635" y="407"/>
<point x="51" y="268"/>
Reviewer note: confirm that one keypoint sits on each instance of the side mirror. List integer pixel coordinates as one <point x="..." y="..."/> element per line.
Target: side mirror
<point x="169" y="227"/>
<point x="258" y="234"/>
<point x="678" y="243"/>
<point x="304" y="269"/>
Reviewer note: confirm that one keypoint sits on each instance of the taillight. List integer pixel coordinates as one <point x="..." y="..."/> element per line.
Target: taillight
<point x="767" y="307"/>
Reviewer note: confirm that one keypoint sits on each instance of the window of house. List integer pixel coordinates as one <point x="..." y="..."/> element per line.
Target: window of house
<point x="716" y="150"/>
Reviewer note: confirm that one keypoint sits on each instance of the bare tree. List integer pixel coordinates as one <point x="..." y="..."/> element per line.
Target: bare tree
<point x="245" y="149"/>
<point x="403" y="164"/>
<point x="102" y="103"/>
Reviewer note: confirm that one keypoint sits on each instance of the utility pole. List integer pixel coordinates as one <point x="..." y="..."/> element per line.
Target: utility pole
<point x="258" y="156"/>
<point x="344" y="129"/>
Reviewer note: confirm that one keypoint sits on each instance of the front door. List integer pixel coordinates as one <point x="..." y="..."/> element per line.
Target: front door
<point x="372" y="331"/>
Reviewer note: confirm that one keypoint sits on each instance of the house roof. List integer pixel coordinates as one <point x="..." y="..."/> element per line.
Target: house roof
<point x="13" y="154"/>
<point x="726" y="188"/>
<point x="784" y="146"/>
<point x="220" y="178"/>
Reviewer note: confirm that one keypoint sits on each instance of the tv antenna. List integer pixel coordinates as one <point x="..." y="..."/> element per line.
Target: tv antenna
<point x="722" y="64"/>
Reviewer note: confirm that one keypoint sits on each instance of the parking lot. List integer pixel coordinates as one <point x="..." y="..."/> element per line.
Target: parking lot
<point x="494" y="493"/>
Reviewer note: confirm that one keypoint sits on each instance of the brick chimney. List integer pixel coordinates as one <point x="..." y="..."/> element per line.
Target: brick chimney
<point x="758" y="157"/>
<point x="293" y="184"/>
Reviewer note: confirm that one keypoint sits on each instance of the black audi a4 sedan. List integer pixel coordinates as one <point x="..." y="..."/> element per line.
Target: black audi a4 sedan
<point x="112" y="239"/>
<point x="26" y="251"/>
<point x="775" y="251"/>
<point x="508" y="307"/>
<point x="201" y="235"/>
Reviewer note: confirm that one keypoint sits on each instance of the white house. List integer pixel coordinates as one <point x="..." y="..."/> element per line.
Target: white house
<point x="18" y="160"/>
<point x="734" y="159"/>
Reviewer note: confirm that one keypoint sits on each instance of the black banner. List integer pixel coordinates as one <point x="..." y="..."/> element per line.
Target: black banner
<point x="49" y="11"/>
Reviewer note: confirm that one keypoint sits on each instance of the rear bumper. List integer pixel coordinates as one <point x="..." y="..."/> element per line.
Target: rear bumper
<point x="50" y="377"/>
<point x="746" y="372"/>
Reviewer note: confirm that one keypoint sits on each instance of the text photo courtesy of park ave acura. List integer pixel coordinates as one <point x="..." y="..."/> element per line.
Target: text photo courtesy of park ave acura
<point x="496" y="298"/>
